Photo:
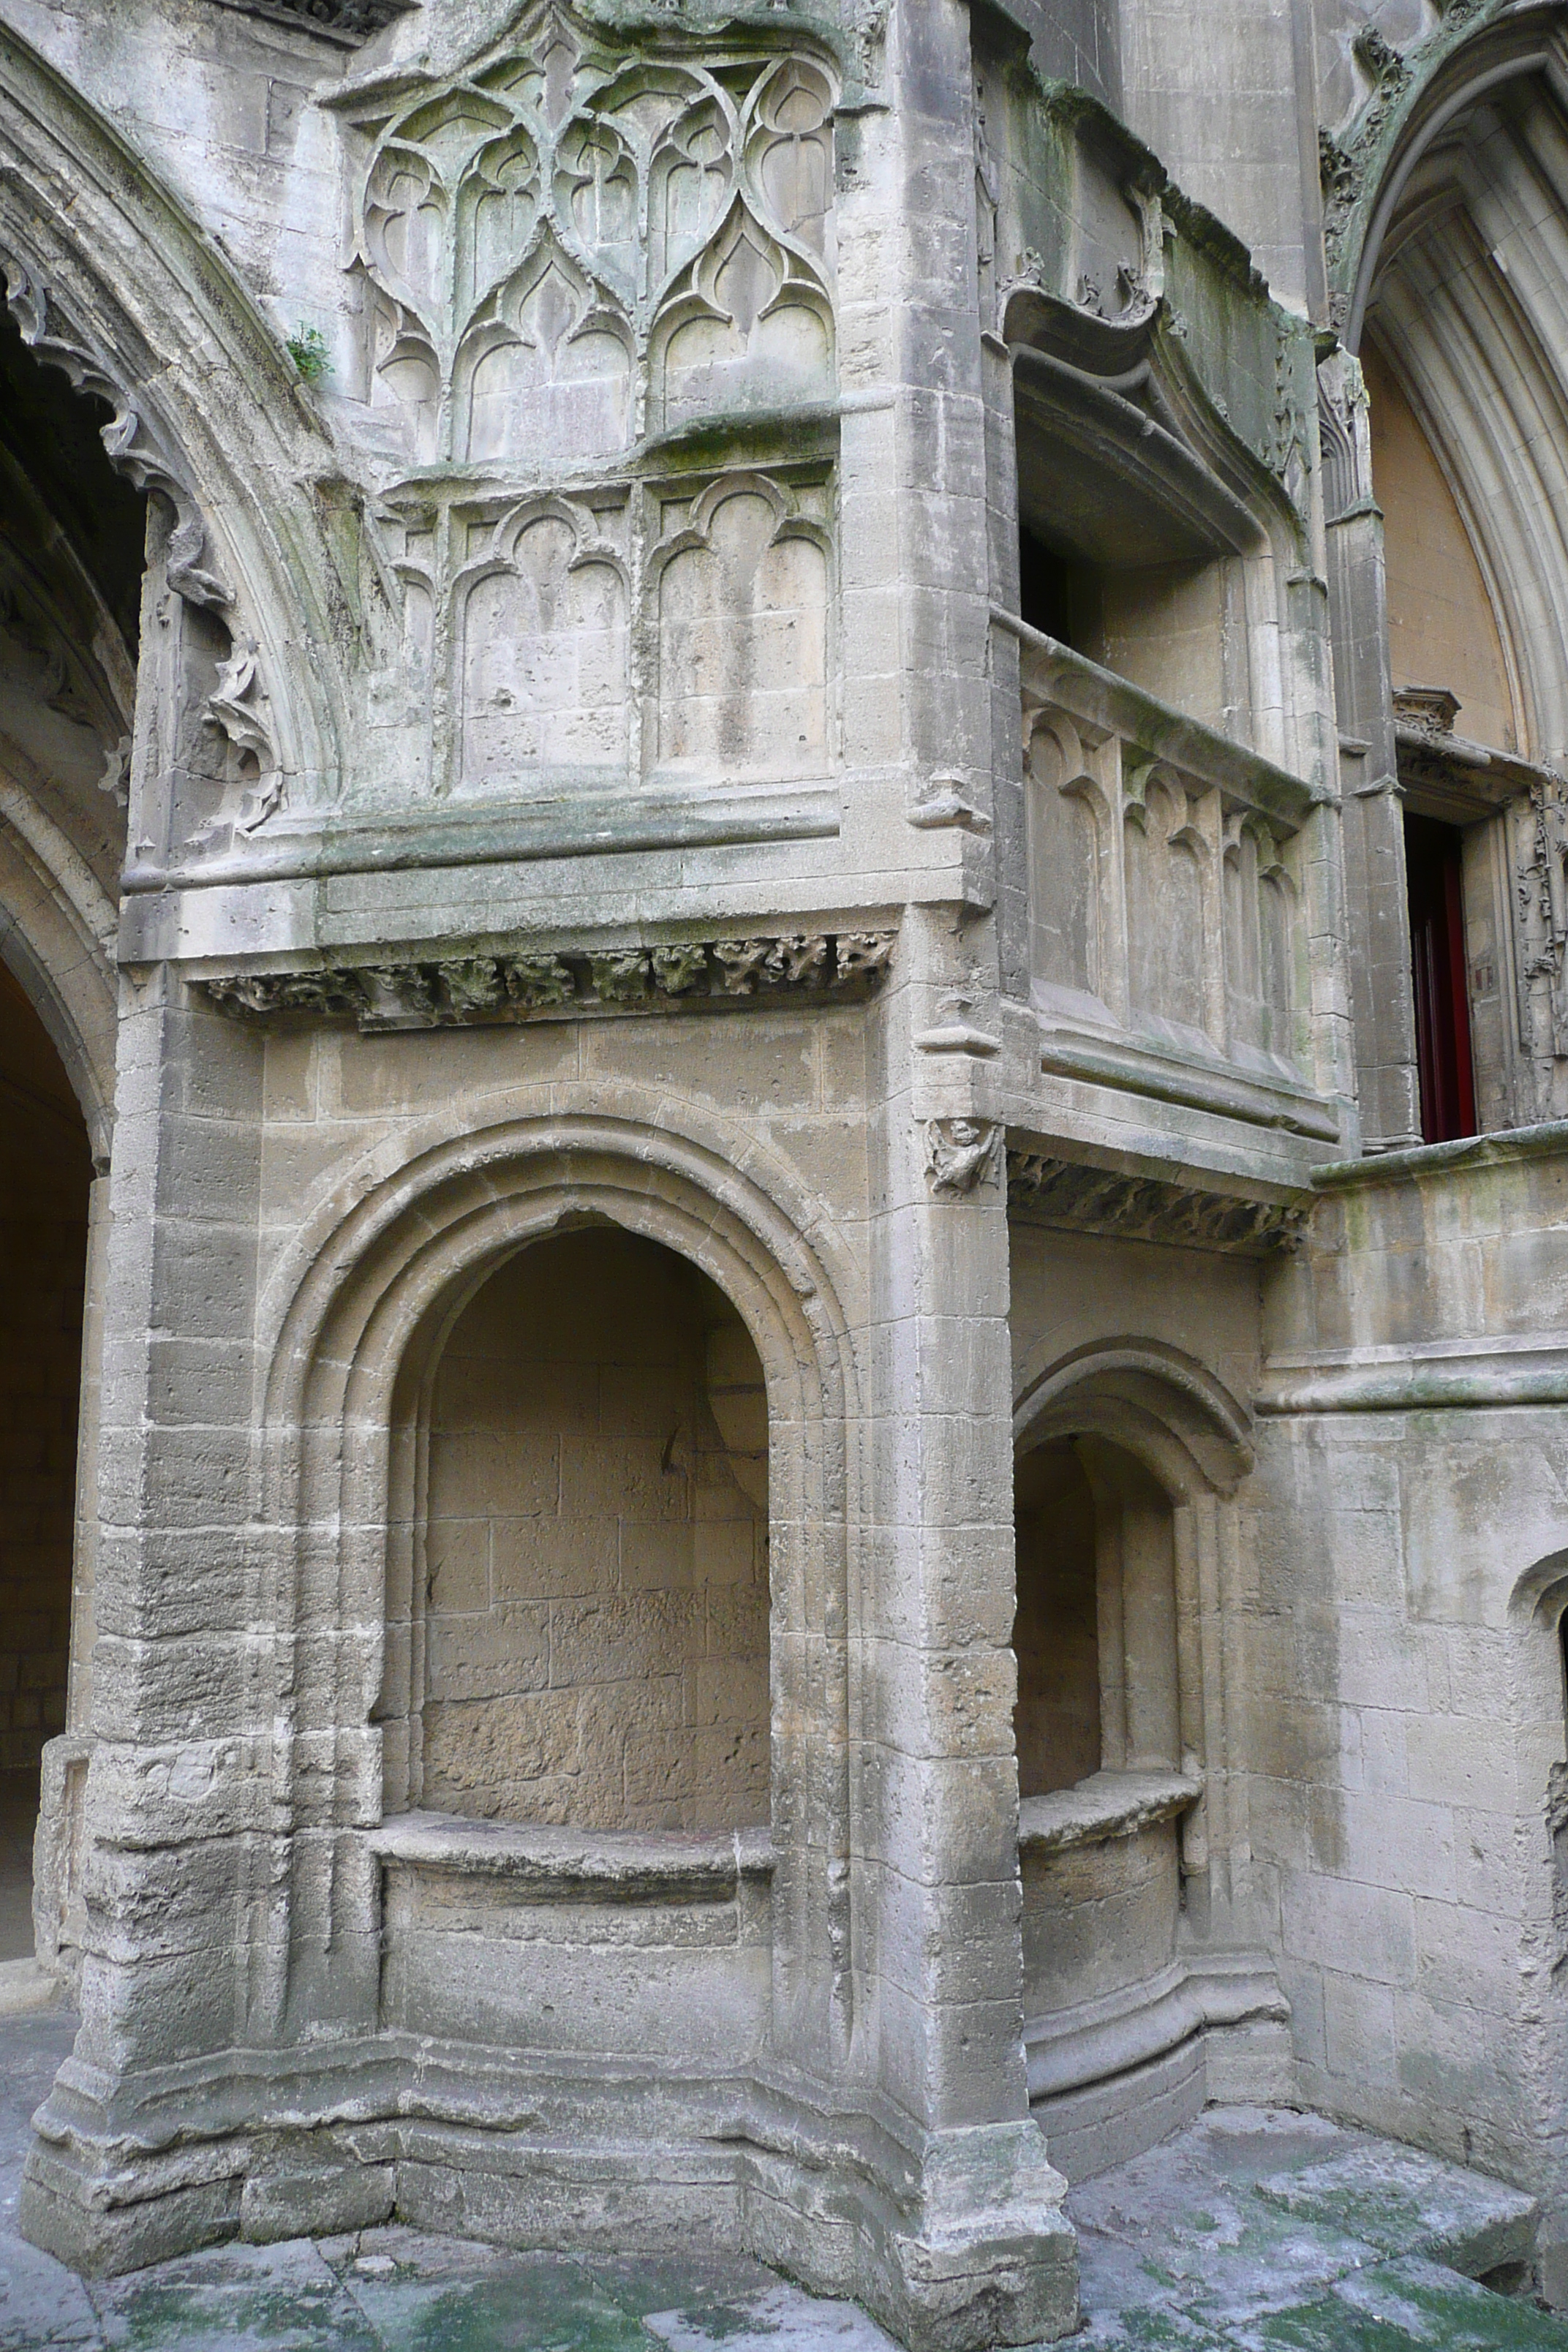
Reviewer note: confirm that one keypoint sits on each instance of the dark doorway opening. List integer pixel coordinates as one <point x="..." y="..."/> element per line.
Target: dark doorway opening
<point x="1435" y="880"/>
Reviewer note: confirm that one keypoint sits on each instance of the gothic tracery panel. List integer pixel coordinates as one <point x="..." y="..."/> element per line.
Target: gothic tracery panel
<point x="687" y="209"/>
<point x="549" y="369"/>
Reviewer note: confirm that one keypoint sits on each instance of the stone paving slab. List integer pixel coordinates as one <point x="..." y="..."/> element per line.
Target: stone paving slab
<point x="1258" y="2230"/>
<point x="1253" y="2230"/>
<point x="1400" y="2199"/>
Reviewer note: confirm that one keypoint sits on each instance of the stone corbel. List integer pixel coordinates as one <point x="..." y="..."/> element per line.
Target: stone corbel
<point x="867" y="30"/>
<point x="961" y="1155"/>
<point x="947" y="803"/>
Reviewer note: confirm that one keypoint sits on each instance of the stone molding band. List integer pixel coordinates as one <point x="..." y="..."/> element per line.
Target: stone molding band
<point x="1145" y="1208"/>
<point x="455" y="992"/>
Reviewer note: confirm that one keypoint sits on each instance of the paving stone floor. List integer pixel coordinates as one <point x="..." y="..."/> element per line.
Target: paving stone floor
<point x="19" y="1812"/>
<point x="1250" y="2232"/>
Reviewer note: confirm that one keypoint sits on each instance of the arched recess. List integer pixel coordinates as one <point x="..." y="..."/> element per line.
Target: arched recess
<point x="116" y="285"/>
<point x="1538" y="1637"/>
<point x="362" y="1328"/>
<point x="1369" y="162"/>
<point x="1162" y="1404"/>
<point x="1128" y="1457"/>
<point x="1445" y="225"/>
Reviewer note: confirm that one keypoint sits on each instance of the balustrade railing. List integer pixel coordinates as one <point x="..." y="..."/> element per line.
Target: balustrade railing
<point x="1164" y="882"/>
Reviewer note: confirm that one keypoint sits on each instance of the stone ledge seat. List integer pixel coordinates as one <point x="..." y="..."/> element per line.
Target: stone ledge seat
<point x="1106" y="1805"/>
<point x="614" y="1865"/>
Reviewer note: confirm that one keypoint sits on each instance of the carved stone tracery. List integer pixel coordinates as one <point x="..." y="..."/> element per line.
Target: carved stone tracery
<point x="571" y="248"/>
<point x="568" y="246"/>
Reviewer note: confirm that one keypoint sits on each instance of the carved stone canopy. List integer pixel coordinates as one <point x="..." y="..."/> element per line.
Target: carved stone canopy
<point x="455" y="992"/>
<point x="1141" y="1208"/>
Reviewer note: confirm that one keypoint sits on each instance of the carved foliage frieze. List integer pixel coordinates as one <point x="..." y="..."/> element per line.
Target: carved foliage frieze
<point x="567" y="247"/>
<point x="1139" y="1208"/>
<point x="452" y="992"/>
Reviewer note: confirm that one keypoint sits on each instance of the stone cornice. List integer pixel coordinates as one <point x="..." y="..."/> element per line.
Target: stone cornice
<point x="456" y="991"/>
<point x="1066" y="1192"/>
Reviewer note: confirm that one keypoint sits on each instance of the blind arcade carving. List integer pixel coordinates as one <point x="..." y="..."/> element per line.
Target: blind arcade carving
<point x="572" y="258"/>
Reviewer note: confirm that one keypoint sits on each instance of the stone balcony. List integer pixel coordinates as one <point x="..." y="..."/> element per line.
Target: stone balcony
<point x="1169" y="891"/>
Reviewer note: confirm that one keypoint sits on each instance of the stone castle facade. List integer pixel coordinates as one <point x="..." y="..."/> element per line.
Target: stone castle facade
<point x="784" y="874"/>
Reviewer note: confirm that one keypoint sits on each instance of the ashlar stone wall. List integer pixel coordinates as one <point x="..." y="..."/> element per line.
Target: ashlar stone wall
<point x="595" y="1556"/>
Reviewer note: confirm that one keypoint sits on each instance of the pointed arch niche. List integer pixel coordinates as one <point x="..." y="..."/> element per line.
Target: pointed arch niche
<point x="557" y="1477"/>
<point x="1126" y="1461"/>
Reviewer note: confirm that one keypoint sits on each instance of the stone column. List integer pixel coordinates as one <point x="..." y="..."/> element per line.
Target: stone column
<point x="1377" y="909"/>
<point x="177" y="1787"/>
<point x="978" y="2251"/>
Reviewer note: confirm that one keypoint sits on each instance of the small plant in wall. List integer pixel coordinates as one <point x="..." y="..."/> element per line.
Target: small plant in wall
<point x="307" y="347"/>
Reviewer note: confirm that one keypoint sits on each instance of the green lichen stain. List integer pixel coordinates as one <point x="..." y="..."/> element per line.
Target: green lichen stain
<point x="544" y="2308"/>
<point x="1385" y="2218"/>
<point x="713" y="2320"/>
<point x="285" y="2316"/>
<point x="1401" y="2306"/>
<point x="646" y="2284"/>
<point x="1149" y="2331"/>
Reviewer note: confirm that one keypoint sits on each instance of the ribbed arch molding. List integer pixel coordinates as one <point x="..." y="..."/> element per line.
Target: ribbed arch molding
<point x="1470" y="308"/>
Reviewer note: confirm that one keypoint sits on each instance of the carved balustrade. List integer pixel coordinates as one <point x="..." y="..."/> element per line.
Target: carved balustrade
<point x="1164" y="894"/>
